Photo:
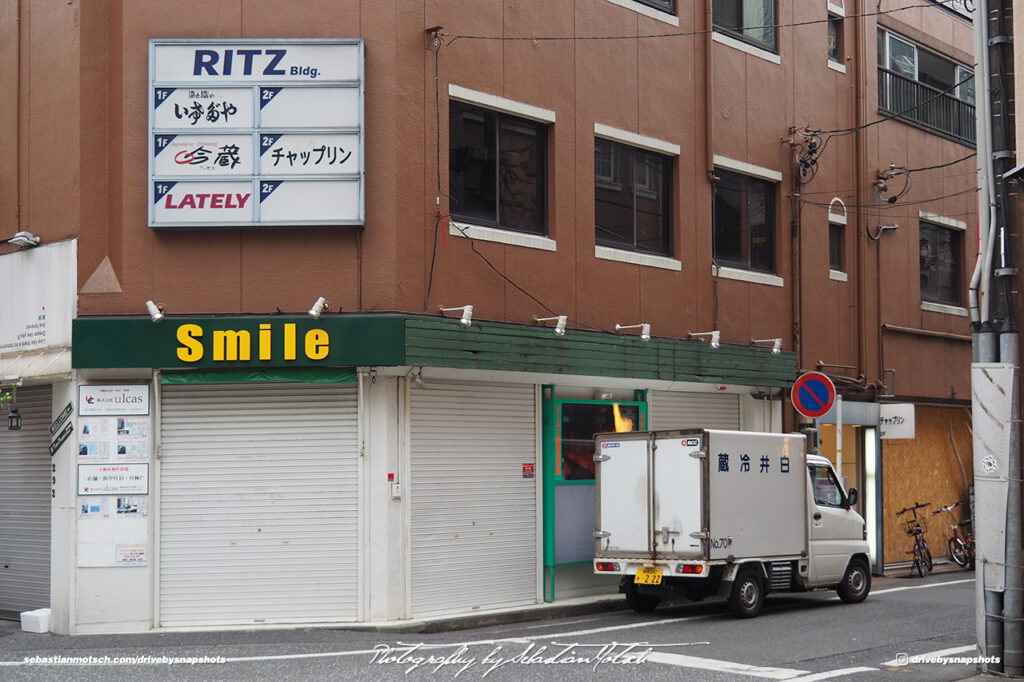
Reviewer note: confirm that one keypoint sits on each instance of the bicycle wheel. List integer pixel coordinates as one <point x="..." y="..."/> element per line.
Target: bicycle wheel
<point x="926" y="553"/>
<point x="958" y="551"/>
<point x="921" y="565"/>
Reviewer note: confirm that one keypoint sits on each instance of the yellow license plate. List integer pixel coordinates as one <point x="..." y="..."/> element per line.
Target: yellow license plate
<point x="648" y="576"/>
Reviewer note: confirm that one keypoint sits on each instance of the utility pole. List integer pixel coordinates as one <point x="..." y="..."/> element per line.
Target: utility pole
<point x="995" y="373"/>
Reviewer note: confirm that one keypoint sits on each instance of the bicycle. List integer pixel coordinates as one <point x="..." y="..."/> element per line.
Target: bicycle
<point x="916" y="527"/>
<point x="961" y="545"/>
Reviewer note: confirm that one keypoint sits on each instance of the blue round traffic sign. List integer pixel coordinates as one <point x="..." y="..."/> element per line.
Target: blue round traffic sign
<point x="813" y="394"/>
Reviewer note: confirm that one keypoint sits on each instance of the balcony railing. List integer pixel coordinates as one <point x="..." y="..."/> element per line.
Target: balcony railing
<point x="925" y="106"/>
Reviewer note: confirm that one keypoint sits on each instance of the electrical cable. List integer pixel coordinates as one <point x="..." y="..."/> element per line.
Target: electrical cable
<point x="685" y="34"/>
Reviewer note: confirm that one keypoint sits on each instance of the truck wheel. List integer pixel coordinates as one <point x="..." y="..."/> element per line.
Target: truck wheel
<point x="747" y="594"/>
<point x="642" y="603"/>
<point x="856" y="583"/>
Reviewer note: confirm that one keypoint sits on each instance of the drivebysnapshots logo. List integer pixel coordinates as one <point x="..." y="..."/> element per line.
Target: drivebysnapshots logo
<point x="932" y="659"/>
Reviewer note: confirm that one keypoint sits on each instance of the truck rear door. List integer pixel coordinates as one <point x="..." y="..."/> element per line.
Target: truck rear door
<point x="623" y="506"/>
<point x="677" y="494"/>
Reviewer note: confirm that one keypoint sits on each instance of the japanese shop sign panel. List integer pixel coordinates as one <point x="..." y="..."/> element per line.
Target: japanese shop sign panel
<point x="896" y="420"/>
<point x="116" y="478"/>
<point x="256" y="133"/>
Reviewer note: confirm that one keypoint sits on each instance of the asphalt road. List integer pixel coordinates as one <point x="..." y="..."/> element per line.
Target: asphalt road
<point x="797" y="637"/>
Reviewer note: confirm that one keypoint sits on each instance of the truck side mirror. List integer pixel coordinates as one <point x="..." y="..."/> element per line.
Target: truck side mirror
<point x="851" y="497"/>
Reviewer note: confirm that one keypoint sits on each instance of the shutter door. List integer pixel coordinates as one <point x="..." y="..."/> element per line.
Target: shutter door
<point x="473" y="517"/>
<point x="693" y="411"/>
<point x="258" y="504"/>
<point x="25" y="484"/>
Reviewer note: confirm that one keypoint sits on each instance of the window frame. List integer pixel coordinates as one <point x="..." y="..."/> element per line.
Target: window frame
<point x="958" y="66"/>
<point x="740" y="32"/>
<point x="936" y="225"/>
<point x="620" y="143"/>
<point x="771" y="212"/>
<point x="505" y="113"/>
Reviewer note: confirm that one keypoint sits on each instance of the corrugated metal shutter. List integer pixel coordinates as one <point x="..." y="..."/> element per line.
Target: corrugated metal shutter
<point x="671" y="410"/>
<point x="25" y="483"/>
<point x="473" y="526"/>
<point x="258" y="504"/>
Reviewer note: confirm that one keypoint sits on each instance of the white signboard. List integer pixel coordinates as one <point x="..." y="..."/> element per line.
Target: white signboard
<point x="41" y="284"/>
<point x="113" y="399"/>
<point x="249" y="133"/>
<point x="118" y="478"/>
<point x="896" y="420"/>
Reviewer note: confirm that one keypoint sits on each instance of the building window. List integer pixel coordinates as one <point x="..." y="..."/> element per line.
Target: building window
<point x="941" y="254"/>
<point x="632" y="198"/>
<point x="497" y="167"/>
<point x="664" y="5"/>
<point x="835" y="39"/>
<point x="835" y="247"/>
<point x="744" y="222"/>
<point x="924" y="88"/>
<point x="752" y="21"/>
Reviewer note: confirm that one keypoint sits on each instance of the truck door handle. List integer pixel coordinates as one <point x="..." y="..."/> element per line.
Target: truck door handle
<point x="817" y="516"/>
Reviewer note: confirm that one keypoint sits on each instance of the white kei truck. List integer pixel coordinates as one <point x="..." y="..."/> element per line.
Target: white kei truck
<point x="700" y="512"/>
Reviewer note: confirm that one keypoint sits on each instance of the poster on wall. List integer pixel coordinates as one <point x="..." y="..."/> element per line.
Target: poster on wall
<point x="254" y="133"/>
<point x="113" y="474"/>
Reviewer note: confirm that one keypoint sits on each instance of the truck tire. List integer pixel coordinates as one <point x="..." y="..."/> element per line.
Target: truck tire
<point x="856" y="582"/>
<point x="642" y="603"/>
<point x="747" y="595"/>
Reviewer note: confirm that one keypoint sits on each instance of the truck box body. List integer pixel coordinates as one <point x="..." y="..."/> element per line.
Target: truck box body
<point x="746" y="490"/>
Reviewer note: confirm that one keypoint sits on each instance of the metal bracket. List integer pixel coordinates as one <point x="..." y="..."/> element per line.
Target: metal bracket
<point x="699" y="535"/>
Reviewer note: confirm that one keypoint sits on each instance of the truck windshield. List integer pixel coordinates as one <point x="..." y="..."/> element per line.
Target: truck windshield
<point x="827" y="490"/>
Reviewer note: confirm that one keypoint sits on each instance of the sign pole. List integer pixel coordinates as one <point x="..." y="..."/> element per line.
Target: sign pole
<point x="839" y="438"/>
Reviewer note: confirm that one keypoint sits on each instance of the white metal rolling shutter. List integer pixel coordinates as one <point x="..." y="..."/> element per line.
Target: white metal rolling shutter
<point x="25" y="483"/>
<point x="473" y="525"/>
<point x="670" y="410"/>
<point x="258" y="504"/>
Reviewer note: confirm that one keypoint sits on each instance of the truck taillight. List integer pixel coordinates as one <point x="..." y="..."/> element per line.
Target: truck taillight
<point x="607" y="566"/>
<point x="689" y="568"/>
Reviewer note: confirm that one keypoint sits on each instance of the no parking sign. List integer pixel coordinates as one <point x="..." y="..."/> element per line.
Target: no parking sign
<point x="813" y="394"/>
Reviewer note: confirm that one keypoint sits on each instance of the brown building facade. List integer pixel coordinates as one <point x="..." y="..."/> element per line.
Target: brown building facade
<point x="715" y="202"/>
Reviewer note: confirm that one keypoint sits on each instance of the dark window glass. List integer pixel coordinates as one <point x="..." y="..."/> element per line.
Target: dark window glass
<point x="744" y="222"/>
<point x="664" y="5"/>
<point x="835" y="247"/>
<point x="580" y="423"/>
<point x="941" y="249"/>
<point x="751" y="21"/>
<point x="835" y="38"/>
<point x="632" y="198"/>
<point x="497" y="166"/>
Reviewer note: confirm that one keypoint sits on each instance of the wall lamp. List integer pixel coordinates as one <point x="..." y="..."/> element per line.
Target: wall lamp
<point x="417" y="378"/>
<point x="156" y="311"/>
<point x="14" y="420"/>
<point x="559" y="326"/>
<point x="319" y="308"/>
<point x="24" y="240"/>
<point x="713" y="339"/>
<point x="467" y="314"/>
<point x="645" y="329"/>
<point x="776" y="344"/>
